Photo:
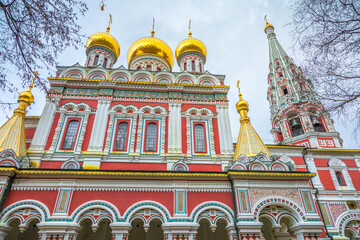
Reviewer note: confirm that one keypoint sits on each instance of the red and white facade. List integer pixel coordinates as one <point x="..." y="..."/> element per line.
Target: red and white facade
<point x="136" y="154"/>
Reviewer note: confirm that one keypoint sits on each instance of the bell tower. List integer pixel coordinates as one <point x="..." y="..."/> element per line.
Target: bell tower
<point x="297" y="115"/>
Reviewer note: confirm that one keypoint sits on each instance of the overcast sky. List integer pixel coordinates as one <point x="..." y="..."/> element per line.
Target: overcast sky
<point x="233" y="32"/>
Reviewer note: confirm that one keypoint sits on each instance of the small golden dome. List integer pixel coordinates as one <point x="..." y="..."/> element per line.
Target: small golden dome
<point x="151" y="46"/>
<point x="267" y="23"/>
<point x="104" y="39"/>
<point x="26" y="96"/>
<point x="242" y="105"/>
<point x="190" y="45"/>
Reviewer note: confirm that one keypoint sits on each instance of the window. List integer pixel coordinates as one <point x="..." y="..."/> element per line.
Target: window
<point x="70" y="135"/>
<point x="293" y="71"/>
<point x="148" y="67"/>
<point x="200" y="138"/>
<point x="96" y="60"/>
<point x="158" y="69"/>
<point x="184" y="65"/>
<point x="281" y="74"/>
<point x="340" y="178"/>
<point x="105" y="62"/>
<point x="277" y="63"/>
<point x="121" y="136"/>
<point x="151" y="137"/>
<point x="192" y="65"/>
<point x="285" y="91"/>
<point x="138" y="67"/>
<point x="200" y="68"/>
<point x="302" y="87"/>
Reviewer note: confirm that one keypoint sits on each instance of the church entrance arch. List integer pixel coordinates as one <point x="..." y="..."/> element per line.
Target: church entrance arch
<point x="17" y="231"/>
<point x="90" y="231"/>
<point x="146" y="231"/>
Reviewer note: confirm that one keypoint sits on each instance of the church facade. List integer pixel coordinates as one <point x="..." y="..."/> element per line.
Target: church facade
<point x="146" y="153"/>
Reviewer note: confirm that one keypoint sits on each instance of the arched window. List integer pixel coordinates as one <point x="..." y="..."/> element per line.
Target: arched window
<point x="281" y="74"/>
<point x="302" y="87"/>
<point x="285" y="91"/>
<point x="317" y="124"/>
<point x="96" y="60"/>
<point x="184" y="65"/>
<point x="105" y="62"/>
<point x="200" y="138"/>
<point x="70" y="135"/>
<point x="148" y="67"/>
<point x="192" y="65"/>
<point x="200" y="68"/>
<point x="151" y="137"/>
<point x="340" y="178"/>
<point x="121" y="136"/>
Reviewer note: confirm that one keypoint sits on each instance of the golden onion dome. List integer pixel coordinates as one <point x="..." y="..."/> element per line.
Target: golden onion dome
<point x="151" y="46"/>
<point x="104" y="39"/>
<point x="190" y="45"/>
<point x="267" y="24"/>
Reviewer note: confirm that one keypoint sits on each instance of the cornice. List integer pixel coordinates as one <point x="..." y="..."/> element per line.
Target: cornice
<point x="102" y="174"/>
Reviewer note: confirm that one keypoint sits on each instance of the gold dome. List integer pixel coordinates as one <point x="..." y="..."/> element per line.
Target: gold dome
<point x="151" y="46"/>
<point x="190" y="45"/>
<point x="104" y="39"/>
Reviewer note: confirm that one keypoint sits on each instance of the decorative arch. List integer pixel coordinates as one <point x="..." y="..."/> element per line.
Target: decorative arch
<point x="337" y="165"/>
<point x="152" y="205"/>
<point x="98" y="75"/>
<point x="85" y="211"/>
<point x="120" y="76"/>
<point x="199" y="112"/>
<point x="210" y="78"/>
<point x="278" y="166"/>
<point x="73" y="70"/>
<point x="180" y="166"/>
<point x="71" y="163"/>
<point x="142" y="74"/>
<point x="200" y="210"/>
<point x="9" y="158"/>
<point x="160" y="77"/>
<point x="268" y="201"/>
<point x="257" y="166"/>
<point x="239" y="166"/>
<point x="184" y="77"/>
<point x="344" y="219"/>
<point x="34" y="209"/>
<point x="70" y="106"/>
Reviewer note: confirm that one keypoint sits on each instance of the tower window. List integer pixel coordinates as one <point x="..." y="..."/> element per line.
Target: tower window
<point x="340" y="178"/>
<point x="296" y="128"/>
<point x="121" y="136"/>
<point x="200" y="68"/>
<point x="293" y="71"/>
<point x="184" y="65"/>
<point x="138" y="67"/>
<point x="96" y="60"/>
<point x="158" y="69"/>
<point x="285" y="91"/>
<point x="151" y="137"/>
<point x="200" y="138"/>
<point x="192" y="65"/>
<point x="317" y="124"/>
<point x="105" y="62"/>
<point x="70" y="135"/>
<point x="281" y="74"/>
<point x="302" y="87"/>
<point x="148" y="67"/>
<point x="277" y="63"/>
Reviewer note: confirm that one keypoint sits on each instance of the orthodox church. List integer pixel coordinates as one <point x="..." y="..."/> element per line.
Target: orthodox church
<point x="143" y="152"/>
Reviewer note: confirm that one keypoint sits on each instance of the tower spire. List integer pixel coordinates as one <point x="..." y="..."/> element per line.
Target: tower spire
<point x="12" y="132"/>
<point x="298" y="117"/>
<point x="249" y="143"/>
<point x="153" y="28"/>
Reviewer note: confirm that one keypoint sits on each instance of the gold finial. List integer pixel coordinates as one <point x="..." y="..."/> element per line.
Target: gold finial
<point x="238" y="86"/>
<point x="153" y="27"/>
<point x="267" y="23"/>
<point x="242" y="106"/>
<point x="32" y="82"/>
<point x="190" y="34"/>
<point x="110" y="22"/>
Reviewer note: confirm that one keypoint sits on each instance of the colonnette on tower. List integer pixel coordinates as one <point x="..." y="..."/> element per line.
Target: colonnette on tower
<point x="144" y="152"/>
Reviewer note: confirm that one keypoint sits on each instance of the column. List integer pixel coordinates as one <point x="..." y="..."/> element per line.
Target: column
<point x="43" y="128"/>
<point x="174" y="129"/>
<point x="312" y="168"/>
<point x="211" y="136"/>
<point x="56" y="139"/>
<point x="221" y="128"/>
<point x="171" y="129"/>
<point x="178" y="140"/>
<point x="99" y="127"/>
<point x="120" y="231"/>
<point x="227" y="130"/>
